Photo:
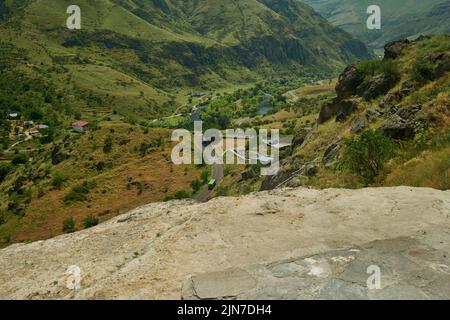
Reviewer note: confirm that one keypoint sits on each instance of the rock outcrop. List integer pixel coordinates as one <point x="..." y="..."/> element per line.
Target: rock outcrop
<point x="284" y="244"/>
<point x="348" y="82"/>
<point x="373" y="87"/>
<point x="393" y="49"/>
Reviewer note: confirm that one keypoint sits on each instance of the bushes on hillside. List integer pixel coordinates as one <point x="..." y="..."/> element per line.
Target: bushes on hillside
<point x="58" y="180"/>
<point x="367" y="154"/>
<point x="422" y="71"/>
<point x="5" y="169"/>
<point x="388" y="68"/>
<point x="369" y="67"/>
<point x="180" y="195"/>
<point x="196" y="185"/>
<point x="90" y="221"/>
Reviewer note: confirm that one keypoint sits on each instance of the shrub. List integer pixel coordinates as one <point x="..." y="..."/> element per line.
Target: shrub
<point x="107" y="145"/>
<point x="182" y="195"/>
<point x="69" y="225"/>
<point x="41" y="192"/>
<point x="159" y="142"/>
<point x="390" y="70"/>
<point x="422" y="71"/>
<point x="196" y="185"/>
<point x="90" y="221"/>
<point x="368" y="67"/>
<point x="58" y="180"/>
<point x="373" y="67"/>
<point x="5" y="169"/>
<point x="19" y="158"/>
<point x="140" y="187"/>
<point x="366" y="154"/>
<point x="178" y="196"/>
<point x="227" y="171"/>
<point x="144" y="147"/>
<point x="204" y="176"/>
<point x="79" y="192"/>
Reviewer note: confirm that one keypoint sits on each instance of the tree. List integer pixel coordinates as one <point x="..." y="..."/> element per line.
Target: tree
<point x="19" y="158"/>
<point x="90" y="221"/>
<point x="367" y="154"/>
<point x="48" y="135"/>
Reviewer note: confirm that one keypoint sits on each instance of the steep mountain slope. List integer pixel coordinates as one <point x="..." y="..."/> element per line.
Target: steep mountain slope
<point x="143" y="52"/>
<point x="399" y="18"/>
<point x="385" y="123"/>
<point x="286" y="244"/>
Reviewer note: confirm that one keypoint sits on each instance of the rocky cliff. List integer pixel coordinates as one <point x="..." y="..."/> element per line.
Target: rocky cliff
<point x="283" y="244"/>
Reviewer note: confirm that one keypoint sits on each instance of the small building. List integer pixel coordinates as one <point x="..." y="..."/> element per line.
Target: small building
<point x="28" y="124"/>
<point x="13" y="116"/>
<point x="42" y="127"/>
<point x="79" y="126"/>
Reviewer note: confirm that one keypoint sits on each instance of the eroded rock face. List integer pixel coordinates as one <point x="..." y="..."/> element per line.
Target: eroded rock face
<point x="331" y="155"/>
<point x="283" y="244"/>
<point x="272" y="182"/>
<point x="443" y="64"/>
<point x="341" y="108"/>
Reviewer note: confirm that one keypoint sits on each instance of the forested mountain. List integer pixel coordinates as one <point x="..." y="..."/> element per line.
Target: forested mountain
<point x="407" y="18"/>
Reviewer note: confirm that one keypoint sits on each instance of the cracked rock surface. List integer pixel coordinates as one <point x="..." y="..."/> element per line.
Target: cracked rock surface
<point x="282" y="244"/>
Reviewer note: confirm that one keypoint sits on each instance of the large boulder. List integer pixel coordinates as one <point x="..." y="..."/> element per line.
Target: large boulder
<point x="343" y="108"/>
<point x="348" y="82"/>
<point x="300" y="137"/>
<point x="393" y="49"/>
<point x="398" y="128"/>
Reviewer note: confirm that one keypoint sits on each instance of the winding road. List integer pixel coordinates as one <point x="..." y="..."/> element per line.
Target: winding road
<point x="216" y="174"/>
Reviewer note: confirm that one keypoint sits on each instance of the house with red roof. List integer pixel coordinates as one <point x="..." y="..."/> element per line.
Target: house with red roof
<point x="79" y="126"/>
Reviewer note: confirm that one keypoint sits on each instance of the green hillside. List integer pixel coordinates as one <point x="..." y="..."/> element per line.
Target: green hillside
<point x="139" y="57"/>
<point x="407" y="18"/>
